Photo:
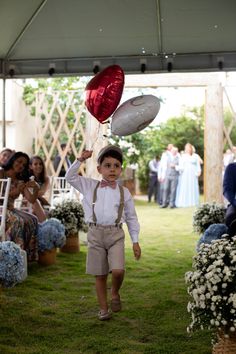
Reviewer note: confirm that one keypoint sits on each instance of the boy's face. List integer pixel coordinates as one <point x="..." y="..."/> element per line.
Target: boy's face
<point x="110" y="169"/>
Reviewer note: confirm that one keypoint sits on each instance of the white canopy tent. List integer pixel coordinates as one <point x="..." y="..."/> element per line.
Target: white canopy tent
<point x="72" y="37"/>
<point x="80" y="37"/>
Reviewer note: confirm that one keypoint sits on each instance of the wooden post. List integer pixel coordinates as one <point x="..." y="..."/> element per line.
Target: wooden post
<point x="213" y="144"/>
<point x="94" y="141"/>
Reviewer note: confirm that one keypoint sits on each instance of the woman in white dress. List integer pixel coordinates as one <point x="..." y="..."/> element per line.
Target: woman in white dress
<point x="187" y="194"/>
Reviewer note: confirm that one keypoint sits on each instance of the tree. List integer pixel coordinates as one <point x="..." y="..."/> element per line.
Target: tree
<point x="152" y="141"/>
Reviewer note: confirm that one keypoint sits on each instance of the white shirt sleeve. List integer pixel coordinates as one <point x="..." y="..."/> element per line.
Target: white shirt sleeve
<point x="163" y="166"/>
<point x="131" y="216"/>
<point x="152" y="166"/>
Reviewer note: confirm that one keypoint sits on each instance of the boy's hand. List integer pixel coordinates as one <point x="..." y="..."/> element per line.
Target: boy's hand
<point x="136" y="250"/>
<point x="86" y="154"/>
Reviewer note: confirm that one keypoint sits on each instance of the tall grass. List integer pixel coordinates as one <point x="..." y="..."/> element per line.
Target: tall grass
<point x="54" y="310"/>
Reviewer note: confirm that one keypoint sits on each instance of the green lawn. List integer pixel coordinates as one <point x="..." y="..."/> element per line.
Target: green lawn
<point x="54" y="310"/>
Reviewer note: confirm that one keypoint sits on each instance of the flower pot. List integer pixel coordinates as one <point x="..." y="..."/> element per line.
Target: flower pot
<point x="72" y="244"/>
<point x="225" y="345"/>
<point x="47" y="257"/>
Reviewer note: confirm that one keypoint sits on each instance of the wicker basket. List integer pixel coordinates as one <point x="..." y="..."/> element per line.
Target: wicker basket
<point x="225" y="345"/>
<point x="72" y="244"/>
<point x="47" y="257"/>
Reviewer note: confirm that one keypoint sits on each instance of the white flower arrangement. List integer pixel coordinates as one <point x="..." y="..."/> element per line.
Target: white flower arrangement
<point x="212" y="286"/>
<point x="71" y="214"/>
<point x="207" y="214"/>
<point x="12" y="267"/>
<point x="51" y="234"/>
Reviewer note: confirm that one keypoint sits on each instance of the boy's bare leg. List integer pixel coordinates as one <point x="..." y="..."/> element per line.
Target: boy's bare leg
<point x="117" y="280"/>
<point x="101" y="289"/>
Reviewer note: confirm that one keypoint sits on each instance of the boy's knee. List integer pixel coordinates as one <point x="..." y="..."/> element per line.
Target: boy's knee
<point x="118" y="272"/>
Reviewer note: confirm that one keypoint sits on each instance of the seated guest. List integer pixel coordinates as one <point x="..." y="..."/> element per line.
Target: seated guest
<point x="5" y="154"/>
<point x="38" y="170"/>
<point x="21" y="227"/>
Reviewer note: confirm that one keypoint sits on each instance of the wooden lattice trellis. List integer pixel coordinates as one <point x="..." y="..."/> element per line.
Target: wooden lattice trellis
<point x="52" y="123"/>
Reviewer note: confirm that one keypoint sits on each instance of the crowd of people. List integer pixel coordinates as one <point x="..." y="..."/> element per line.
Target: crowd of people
<point x="30" y="182"/>
<point x="174" y="177"/>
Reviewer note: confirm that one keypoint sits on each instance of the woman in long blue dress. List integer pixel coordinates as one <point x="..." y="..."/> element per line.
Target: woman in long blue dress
<point x="187" y="194"/>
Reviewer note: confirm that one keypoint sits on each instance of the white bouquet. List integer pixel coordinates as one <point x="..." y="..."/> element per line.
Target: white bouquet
<point x="207" y="214"/>
<point x="212" y="286"/>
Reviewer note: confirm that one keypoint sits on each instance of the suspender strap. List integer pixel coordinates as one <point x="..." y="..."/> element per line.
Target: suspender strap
<point x="121" y="206"/>
<point x="94" y="201"/>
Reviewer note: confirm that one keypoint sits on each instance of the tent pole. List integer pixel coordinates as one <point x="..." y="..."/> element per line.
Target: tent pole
<point x="4" y="113"/>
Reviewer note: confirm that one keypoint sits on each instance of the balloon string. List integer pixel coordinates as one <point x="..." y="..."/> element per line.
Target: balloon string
<point x="97" y="136"/>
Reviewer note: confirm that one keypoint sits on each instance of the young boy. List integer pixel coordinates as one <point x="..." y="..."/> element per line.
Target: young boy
<point x="106" y="206"/>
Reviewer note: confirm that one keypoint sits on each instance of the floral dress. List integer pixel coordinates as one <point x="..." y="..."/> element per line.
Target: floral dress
<point x="22" y="228"/>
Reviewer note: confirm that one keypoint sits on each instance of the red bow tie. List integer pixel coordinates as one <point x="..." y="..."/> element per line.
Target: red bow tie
<point x="111" y="184"/>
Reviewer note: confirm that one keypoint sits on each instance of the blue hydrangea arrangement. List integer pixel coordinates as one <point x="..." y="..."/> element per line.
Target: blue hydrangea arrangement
<point x="51" y="234"/>
<point x="11" y="264"/>
<point x="213" y="232"/>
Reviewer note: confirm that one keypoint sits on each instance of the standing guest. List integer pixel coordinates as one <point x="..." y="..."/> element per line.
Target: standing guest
<point x="38" y="170"/>
<point x="188" y="187"/>
<point x="107" y="206"/>
<point x="57" y="161"/>
<point x="165" y="161"/>
<point x="153" y="179"/>
<point x="5" y="154"/>
<point x="229" y="192"/>
<point x="171" y="179"/>
<point x="21" y="227"/>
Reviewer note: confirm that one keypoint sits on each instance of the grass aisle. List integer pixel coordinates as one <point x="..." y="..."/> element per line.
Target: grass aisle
<point x="54" y="310"/>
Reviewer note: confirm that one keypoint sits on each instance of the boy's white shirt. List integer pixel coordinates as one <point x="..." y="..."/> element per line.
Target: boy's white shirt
<point x="107" y="203"/>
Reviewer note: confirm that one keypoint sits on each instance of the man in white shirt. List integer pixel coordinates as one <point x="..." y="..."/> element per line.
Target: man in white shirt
<point x="165" y="161"/>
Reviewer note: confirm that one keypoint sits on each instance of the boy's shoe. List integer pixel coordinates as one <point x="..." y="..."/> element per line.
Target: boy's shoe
<point x="104" y="315"/>
<point x="115" y="305"/>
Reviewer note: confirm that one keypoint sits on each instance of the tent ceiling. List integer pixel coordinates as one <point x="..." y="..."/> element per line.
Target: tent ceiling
<point x="73" y="36"/>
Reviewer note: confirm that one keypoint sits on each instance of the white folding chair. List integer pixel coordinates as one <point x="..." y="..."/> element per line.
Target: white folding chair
<point x="5" y="184"/>
<point x="61" y="190"/>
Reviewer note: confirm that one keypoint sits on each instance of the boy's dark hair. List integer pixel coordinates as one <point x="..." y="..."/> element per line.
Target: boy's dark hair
<point x="112" y="153"/>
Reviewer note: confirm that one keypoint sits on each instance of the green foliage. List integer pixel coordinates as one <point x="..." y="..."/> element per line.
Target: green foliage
<point x="143" y="146"/>
<point x="228" y="118"/>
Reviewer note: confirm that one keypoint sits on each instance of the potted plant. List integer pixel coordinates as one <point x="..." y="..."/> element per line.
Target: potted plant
<point x="207" y="214"/>
<point x="71" y="214"/>
<point x="212" y="288"/>
<point x="51" y="234"/>
<point x="13" y="264"/>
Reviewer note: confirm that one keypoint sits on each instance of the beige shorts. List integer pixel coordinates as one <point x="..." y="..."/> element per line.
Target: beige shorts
<point x="106" y="250"/>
